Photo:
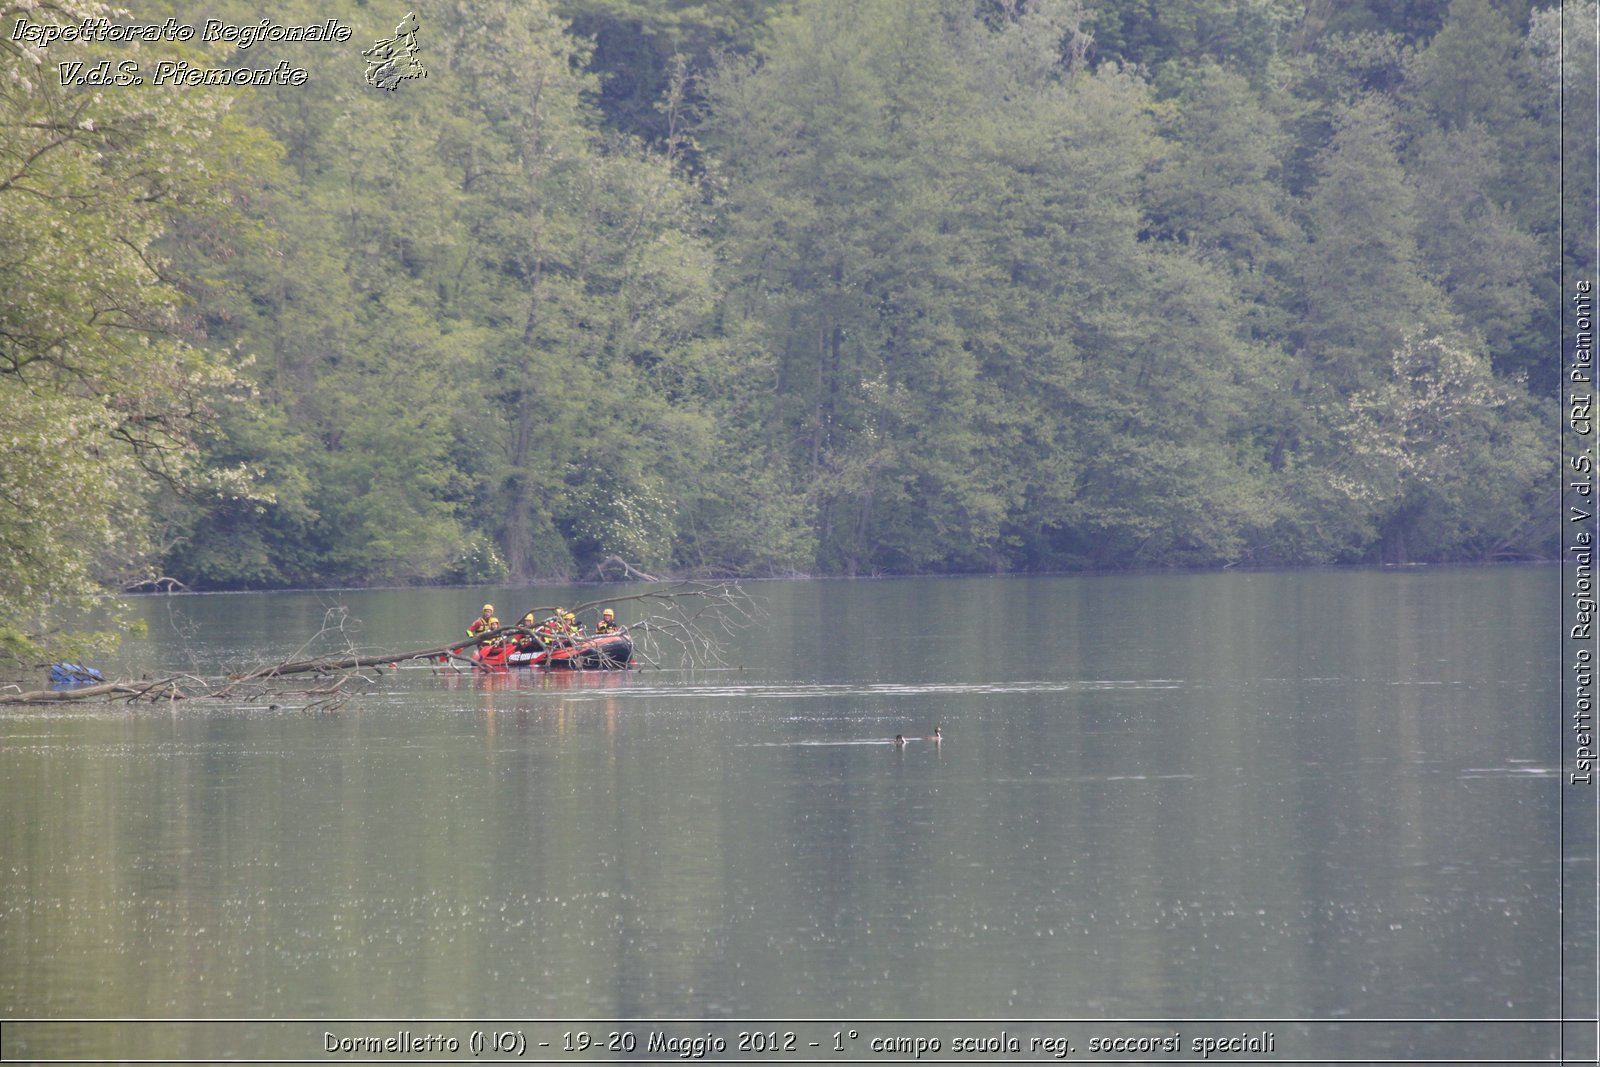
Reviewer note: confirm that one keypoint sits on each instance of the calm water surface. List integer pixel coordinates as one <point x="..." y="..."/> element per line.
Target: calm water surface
<point x="1310" y="795"/>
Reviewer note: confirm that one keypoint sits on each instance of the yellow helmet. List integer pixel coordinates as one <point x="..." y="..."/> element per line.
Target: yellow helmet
<point x="609" y="614"/>
<point x="571" y="617"/>
<point x="488" y="607"/>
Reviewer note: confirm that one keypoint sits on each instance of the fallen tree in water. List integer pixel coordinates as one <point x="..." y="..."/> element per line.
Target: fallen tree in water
<point x="696" y="616"/>
<point x="82" y="692"/>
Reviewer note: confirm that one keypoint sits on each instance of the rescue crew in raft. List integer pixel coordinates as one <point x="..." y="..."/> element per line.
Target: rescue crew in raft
<point x="607" y="623"/>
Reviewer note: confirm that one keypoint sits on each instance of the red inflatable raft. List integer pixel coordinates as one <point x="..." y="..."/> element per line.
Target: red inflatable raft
<point x="602" y="652"/>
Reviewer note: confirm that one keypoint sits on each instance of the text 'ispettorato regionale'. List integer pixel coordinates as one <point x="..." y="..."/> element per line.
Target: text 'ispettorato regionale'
<point x="178" y="72"/>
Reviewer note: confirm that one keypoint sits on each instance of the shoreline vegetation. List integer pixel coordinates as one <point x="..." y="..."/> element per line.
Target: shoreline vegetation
<point x="611" y="292"/>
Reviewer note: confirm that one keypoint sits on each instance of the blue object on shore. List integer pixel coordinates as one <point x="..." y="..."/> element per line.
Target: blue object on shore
<point x="66" y="675"/>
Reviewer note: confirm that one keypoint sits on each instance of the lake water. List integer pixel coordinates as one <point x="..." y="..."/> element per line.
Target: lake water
<point x="1305" y="804"/>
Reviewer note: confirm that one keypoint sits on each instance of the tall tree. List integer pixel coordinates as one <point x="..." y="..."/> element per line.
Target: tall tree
<point x="840" y="169"/>
<point x="1470" y="241"/>
<point x="1479" y="133"/>
<point x="1364" y="284"/>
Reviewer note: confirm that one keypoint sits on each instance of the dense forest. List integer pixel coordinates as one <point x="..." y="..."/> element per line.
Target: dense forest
<point x="752" y="287"/>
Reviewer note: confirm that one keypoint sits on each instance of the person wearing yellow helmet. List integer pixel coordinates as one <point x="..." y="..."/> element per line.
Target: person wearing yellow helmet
<point x="484" y="622"/>
<point x="607" y="623"/>
<point x="530" y="640"/>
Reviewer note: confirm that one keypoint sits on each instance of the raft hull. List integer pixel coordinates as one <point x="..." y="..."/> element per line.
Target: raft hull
<point x="604" y="652"/>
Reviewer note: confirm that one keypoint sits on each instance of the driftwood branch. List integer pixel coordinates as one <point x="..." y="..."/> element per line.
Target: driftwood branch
<point x="47" y="696"/>
<point x="165" y="689"/>
<point x="628" y="570"/>
<point x="162" y="584"/>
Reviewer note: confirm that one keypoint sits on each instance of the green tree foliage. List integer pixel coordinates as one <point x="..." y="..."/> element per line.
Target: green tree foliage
<point x="102" y="397"/>
<point x="1219" y="192"/>
<point x="836" y="212"/>
<point x="1413" y="22"/>
<point x="484" y="316"/>
<point x="980" y="361"/>
<point x="326" y="285"/>
<point x="594" y="356"/>
<point x="1475" y="69"/>
<point x="752" y="287"/>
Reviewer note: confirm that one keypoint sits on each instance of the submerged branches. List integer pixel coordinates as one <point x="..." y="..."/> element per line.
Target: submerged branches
<point x="698" y="617"/>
